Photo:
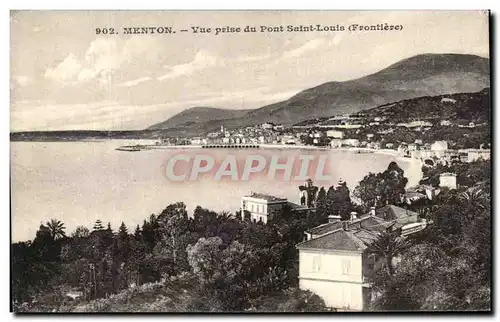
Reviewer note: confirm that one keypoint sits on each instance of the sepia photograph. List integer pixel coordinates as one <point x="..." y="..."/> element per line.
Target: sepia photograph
<point x="271" y="161"/>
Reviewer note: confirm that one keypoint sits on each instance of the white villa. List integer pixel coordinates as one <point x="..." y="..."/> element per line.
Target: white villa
<point x="335" y="134"/>
<point x="261" y="206"/>
<point x="448" y="180"/>
<point x="333" y="262"/>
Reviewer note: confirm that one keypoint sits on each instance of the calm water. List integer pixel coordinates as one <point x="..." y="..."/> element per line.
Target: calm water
<point x="80" y="182"/>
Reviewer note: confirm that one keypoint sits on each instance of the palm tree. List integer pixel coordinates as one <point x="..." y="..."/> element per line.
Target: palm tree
<point x="225" y="216"/>
<point x="56" y="229"/>
<point x="475" y="197"/>
<point x="387" y="246"/>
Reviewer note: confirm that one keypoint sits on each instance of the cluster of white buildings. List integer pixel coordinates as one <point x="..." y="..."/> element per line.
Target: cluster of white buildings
<point x="440" y="151"/>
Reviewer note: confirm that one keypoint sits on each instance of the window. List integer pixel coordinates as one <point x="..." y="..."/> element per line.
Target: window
<point x="316" y="264"/>
<point x="244" y="205"/>
<point x="346" y="266"/>
<point x="251" y="207"/>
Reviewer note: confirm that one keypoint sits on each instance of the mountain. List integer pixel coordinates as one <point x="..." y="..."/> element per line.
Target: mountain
<point x="196" y="115"/>
<point x="455" y="107"/>
<point x="422" y="75"/>
<point x="417" y="76"/>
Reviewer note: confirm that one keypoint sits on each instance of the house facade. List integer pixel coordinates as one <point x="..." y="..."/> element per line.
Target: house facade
<point x="334" y="262"/>
<point x="335" y="134"/>
<point x="261" y="206"/>
<point x="338" y="276"/>
<point x="448" y="180"/>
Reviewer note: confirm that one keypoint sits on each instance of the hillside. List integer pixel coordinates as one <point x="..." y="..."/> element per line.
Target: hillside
<point x="460" y="106"/>
<point x="198" y="115"/>
<point x="421" y="75"/>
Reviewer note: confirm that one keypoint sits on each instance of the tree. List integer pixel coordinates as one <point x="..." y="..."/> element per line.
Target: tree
<point x="137" y="233"/>
<point x="81" y="232"/>
<point x="205" y="259"/>
<point x="98" y="225"/>
<point x="369" y="190"/>
<point x="225" y="216"/>
<point x="343" y="205"/>
<point x="173" y="223"/>
<point x="383" y="188"/>
<point x="387" y="246"/>
<point x="228" y="274"/>
<point x="321" y="202"/>
<point x="475" y="198"/>
<point x="56" y="229"/>
<point x="330" y="199"/>
<point x="122" y="231"/>
<point x="289" y="300"/>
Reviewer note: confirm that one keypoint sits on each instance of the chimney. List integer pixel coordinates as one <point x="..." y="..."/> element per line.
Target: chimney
<point x="372" y="211"/>
<point x="332" y="218"/>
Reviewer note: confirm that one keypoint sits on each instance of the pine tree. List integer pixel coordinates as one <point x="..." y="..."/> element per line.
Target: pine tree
<point x="98" y="225"/>
<point x="122" y="231"/>
<point x="137" y="233"/>
<point x="321" y="202"/>
<point x="123" y="242"/>
<point x="330" y="201"/>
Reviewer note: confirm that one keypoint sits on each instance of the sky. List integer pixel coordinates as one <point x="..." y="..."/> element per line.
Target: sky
<point x="65" y="77"/>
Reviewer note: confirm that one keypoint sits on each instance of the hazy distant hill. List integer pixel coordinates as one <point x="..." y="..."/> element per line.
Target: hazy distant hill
<point x="460" y="106"/>
<point x="196" y="115"/>
<point x="421" y="75"/>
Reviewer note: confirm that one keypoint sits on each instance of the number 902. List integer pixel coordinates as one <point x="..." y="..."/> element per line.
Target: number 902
<point x="105" y="31"/>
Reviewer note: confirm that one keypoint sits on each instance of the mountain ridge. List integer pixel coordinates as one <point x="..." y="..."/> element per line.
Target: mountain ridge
<point x="416" y="76"/>
<point x="198" y="114"/>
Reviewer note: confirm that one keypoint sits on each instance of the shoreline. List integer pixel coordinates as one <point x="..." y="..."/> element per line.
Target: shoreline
<point x="361" y="150"/>
<point x="415" y="165"/>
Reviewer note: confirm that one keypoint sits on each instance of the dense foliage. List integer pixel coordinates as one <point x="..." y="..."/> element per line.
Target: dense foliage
<point x="383" y="188"/>
<point x="448" y="265"/>
<point x="222" y="262"/>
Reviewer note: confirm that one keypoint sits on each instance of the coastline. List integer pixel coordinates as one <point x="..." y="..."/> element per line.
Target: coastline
<point x="414" y="165"/>
<point x="274" y="146"/>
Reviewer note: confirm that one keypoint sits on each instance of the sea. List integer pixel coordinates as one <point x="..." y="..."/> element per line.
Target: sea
<point x="80" y="182"/>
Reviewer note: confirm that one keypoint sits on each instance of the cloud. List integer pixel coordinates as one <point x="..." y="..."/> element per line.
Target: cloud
<point x="67" y="71"/>
<point x="201" y="61"/>
<point x="103" y="57"/>
<point x="299" y="51"/>
<point x="253" y="58"/>
<point x="135" y="82"/>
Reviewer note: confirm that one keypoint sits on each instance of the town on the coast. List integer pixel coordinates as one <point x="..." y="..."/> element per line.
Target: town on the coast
<point x="329" y="249"/>
<point x="354" y="132"/>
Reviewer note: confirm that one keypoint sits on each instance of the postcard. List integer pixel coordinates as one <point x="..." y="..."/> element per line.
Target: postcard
<point x="250" y="161"/>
